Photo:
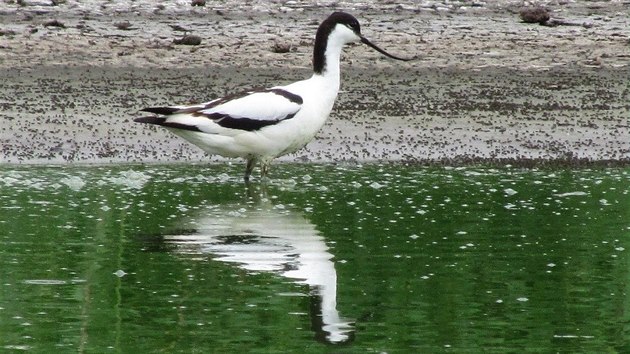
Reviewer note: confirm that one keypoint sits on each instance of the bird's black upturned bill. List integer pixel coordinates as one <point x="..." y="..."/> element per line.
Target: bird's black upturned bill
<point x="366" y="41"/>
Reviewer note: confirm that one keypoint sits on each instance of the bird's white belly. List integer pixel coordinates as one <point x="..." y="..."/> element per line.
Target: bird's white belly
<point x="267" y="143"/>
<point x="283" y="138"/>
<point x="301" y="133"/>
<point x="213" y="144"/>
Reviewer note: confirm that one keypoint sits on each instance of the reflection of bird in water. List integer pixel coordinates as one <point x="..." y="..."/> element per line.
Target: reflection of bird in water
<point x="261" y="237"/>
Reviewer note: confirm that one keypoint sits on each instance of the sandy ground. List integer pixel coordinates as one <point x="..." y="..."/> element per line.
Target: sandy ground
<point x="484" y="86"/>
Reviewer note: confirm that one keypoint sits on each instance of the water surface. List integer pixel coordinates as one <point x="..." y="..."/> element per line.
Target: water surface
<point x="374" y="258"/>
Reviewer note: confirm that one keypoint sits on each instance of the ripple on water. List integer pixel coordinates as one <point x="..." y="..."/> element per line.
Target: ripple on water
<point x="54" y="281"/>
<point x="45" y="282"/>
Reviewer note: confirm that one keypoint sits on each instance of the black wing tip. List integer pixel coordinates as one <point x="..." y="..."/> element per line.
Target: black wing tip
<point x="150" y="120"/>
<point x="161" y="121"/>
<point x="160" y="110"/>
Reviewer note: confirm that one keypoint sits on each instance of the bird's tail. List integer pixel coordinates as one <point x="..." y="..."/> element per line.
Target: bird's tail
<point x="159" y="118"/>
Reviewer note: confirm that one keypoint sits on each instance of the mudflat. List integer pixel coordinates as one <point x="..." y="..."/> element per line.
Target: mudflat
<point x="484" y="86"/>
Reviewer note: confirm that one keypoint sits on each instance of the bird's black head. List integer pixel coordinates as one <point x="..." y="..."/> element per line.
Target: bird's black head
<point x="324" y="31"/>
<point x="344" y="19"/>
<point x="328" y="26"/>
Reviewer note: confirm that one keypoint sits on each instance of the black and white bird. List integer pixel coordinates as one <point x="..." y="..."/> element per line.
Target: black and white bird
<point x="260" y="125"/>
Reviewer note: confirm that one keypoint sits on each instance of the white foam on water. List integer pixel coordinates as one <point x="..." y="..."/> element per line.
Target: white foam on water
<point x="570" y="194"/>
<point x="45" y="282"/>
<point x="130" y="179"/>
<point x="73" y="182"/>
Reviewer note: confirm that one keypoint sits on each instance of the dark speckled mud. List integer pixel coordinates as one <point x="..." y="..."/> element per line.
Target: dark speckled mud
<point x="484" y="88"/>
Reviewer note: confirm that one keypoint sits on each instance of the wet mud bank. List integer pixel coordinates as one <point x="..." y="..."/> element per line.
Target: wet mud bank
<point x="484" y="88"/>
<point x="454" y="116"/>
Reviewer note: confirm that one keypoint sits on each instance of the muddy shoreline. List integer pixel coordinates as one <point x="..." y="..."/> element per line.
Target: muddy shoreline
<point x="485" y="88"/>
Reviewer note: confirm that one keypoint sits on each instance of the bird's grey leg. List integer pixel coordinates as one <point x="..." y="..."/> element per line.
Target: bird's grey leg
<point x="264" y="170"/>
<point x="249" y="168"/>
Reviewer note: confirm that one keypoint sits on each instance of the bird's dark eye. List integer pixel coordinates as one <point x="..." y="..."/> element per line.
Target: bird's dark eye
<point x="354" y="25"/>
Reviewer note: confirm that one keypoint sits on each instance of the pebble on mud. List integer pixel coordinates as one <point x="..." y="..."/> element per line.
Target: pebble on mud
<point x="124" y="26"/>
<point x="54" y="23"/>
<point x="188" y="39"/>
<point x="281" y="47"/>
<point x="537" y="14"/>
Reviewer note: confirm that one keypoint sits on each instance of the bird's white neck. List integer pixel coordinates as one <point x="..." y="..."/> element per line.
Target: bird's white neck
<point x="332" y="72"/>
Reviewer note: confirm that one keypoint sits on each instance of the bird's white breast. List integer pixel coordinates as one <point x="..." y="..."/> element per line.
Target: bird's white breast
<point x="318" y="94"/>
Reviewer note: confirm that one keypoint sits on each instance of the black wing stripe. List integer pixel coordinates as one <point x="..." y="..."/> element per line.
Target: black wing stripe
<point x="284" y="93"/>
<point x="246" y="124"/>
<point x="288" y="95"/>
<point x="218" y="102"/>
<point x="162" y="122"/>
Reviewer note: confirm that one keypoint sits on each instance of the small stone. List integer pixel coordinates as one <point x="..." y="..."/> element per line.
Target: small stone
<point x="125" y="25"/>
<point x="188" y="39"/>
<point x="54" y="23"/>
<point x="537" y="14"/>
<point x="281" y="47"/>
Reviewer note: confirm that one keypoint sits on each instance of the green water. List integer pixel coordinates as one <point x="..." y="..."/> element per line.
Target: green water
<point x="137" y="259"/>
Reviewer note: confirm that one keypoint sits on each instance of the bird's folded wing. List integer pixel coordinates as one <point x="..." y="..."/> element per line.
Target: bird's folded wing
<point x="247" y="111"/>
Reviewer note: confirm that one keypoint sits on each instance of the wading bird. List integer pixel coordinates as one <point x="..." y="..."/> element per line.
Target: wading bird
<point x="260" y="125"/>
